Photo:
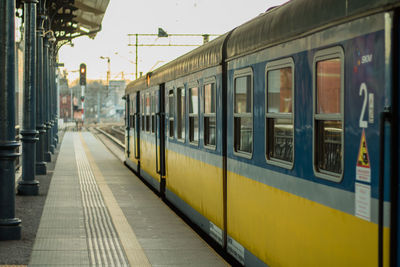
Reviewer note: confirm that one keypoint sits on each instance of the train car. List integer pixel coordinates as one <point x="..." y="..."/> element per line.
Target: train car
<point x="280" y="138"/>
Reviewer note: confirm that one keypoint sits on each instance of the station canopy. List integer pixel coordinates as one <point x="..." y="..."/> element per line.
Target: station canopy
<point x="69" y="19"/>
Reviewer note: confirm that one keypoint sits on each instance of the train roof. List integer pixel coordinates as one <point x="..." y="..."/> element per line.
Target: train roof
<point x="205" y="56"/>
<point x="291" y="20"/>
<point x="297" y="18"/>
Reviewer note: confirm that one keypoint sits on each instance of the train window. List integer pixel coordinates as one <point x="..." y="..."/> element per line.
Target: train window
<point x="148" y="112"/>
<point x="181" y="109"/>
<point x="209" y="115"/>
<point x="153" y="112"/>
<point x="279" y="112"/>
<point x="243" y="112"/>
<point x="171" y="105"/>
<point x="142" y="110"/>
<point x="132" y="111"/>
<point x="328" y="114"/>
<point x="194" y="115"/>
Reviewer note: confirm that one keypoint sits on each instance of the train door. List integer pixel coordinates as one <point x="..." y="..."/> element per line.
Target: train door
<point x="136" y="132"/>
<point x="160" y="137"/>
<point x="134" y="126"/>
<point x="128" y="115"/>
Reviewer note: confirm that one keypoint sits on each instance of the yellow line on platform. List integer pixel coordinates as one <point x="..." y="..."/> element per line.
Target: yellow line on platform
<point x="133" y="250"/>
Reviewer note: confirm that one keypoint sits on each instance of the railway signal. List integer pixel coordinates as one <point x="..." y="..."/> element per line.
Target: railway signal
<point x="82" y="74"/>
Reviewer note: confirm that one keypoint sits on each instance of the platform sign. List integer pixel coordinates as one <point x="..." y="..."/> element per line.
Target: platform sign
<point x="363" y="168"/>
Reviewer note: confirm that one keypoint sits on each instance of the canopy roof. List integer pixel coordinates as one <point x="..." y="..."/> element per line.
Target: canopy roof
<point x="89" y="14"/>
<point x="69" y="19"/>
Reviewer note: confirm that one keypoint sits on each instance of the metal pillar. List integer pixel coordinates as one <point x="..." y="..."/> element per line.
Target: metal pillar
<point x="47" y="153"/>
<point x="28" y="185"/>
<point x="56" y="104"/>
<point x="41" y="168"/>
<point x="10" y="228"/>
<point x="51" y="100"/>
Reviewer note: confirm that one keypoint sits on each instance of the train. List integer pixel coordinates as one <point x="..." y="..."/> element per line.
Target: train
<point x="279" y="139"/>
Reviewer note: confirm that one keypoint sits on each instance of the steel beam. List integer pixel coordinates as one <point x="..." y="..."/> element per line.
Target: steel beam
<point x="10" y="228"/>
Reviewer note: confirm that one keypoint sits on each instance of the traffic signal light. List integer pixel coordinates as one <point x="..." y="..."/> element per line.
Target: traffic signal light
<point x="82" y="74"/>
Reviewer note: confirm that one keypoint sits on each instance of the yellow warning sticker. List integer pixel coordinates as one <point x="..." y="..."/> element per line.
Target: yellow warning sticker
<point x="363" y="168"/>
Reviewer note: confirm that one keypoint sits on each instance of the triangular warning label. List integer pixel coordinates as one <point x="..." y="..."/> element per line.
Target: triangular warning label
<point x="363" y="157"/>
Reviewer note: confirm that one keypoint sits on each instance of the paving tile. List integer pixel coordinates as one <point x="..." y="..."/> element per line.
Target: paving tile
<point x="61" y="244"/>
<point x="59" y="258"/>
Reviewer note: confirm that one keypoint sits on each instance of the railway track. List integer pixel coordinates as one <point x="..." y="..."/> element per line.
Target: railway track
<point x="113" y="134"/>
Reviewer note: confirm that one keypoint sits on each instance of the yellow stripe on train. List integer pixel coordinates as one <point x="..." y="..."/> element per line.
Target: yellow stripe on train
<point x="279" y="228"/>
<point x="198" y="184"/>
<point x="283" y="229"/>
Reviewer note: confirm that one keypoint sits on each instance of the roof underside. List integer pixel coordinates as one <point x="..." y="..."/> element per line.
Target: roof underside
<point x="90" y="13"/>
<point x="69" y="19"/>
<point x="73" y="18"/>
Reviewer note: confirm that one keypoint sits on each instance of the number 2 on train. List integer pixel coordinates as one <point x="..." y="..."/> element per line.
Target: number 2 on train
<point x="363" y="90"/>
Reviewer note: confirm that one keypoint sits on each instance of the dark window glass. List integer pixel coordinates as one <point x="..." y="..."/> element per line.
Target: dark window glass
<point x="279" y="120"/>
<point x="210" y="132"/>
<point x="243" y="94"/>
<point x="328" y="86"/>
<point x="181" y="109"/>
<point x="171" y="112"/>
<point x="280" y="90"/>
<point x="328" y="116"/>
<point x="243" y="116"/>
<point x="193" y="115"/>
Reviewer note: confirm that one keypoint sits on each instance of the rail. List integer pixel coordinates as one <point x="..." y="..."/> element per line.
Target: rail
<point x="110" y="137"/>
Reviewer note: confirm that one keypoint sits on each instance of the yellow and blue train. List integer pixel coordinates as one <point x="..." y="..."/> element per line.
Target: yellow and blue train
<point x="279" y="139"/>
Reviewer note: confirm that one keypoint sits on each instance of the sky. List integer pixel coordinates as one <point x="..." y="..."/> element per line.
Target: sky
<point x="125" y="17"/>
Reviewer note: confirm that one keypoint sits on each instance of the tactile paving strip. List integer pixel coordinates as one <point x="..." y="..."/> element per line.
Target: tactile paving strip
<point x="104" y="246"/>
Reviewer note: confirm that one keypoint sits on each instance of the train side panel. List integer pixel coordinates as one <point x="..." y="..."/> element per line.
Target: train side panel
<point x="290" y="214"/>
<point x="194" y="171"/>
<point x="148" y="155"/>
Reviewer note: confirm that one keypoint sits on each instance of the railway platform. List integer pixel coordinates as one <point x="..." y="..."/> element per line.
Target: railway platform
<point x="98" y="213"/>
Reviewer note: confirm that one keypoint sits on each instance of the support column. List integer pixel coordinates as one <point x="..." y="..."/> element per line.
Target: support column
<point x="47" y="153"/>
<point x="51" y="92"/>
<point x="10" y="228"/>
<point x="41" y="168"/>
<point x="56" y="104"/>
<point x="28" y="185"/>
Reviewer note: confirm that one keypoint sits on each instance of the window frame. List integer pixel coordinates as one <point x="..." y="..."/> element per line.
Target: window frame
<point x="276" y="65"/>
<point x="237" y="74"/>
<point x="194" y="115"/>
<point x="321" y="55"/>
<point x="207" y="81"/>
